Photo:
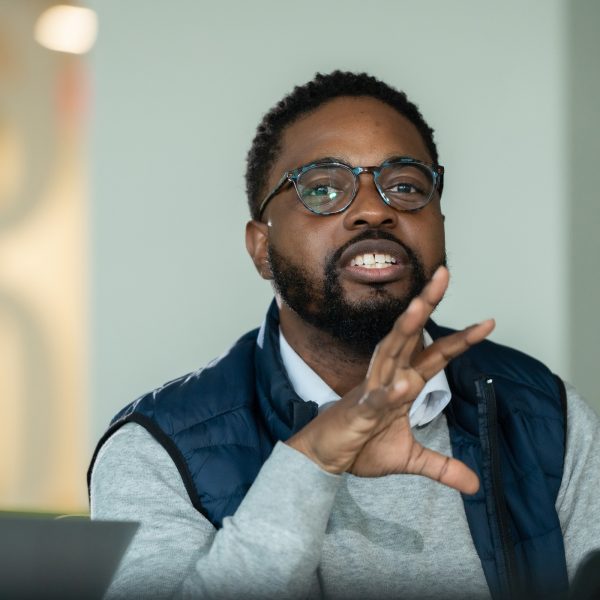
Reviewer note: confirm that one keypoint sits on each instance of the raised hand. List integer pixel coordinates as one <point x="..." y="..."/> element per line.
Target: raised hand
<point x="368" y="431"/>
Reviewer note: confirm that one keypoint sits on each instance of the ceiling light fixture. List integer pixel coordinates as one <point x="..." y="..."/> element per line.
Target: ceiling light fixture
<point x="66" y="28"/>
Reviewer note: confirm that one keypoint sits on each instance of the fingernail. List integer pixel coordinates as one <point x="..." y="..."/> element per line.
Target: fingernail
<point x="437" y="273"/>
<point x="480" y="323"/>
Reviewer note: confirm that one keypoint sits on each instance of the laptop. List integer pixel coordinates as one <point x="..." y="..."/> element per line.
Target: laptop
<point x="67" y="558"/>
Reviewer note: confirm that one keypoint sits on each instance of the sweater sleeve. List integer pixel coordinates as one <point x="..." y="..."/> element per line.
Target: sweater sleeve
<point x="578" y="504"/>
<point x="270" y="548"/>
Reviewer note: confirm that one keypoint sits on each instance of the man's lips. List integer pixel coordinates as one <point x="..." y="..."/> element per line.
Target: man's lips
<point x="384" y="261"/>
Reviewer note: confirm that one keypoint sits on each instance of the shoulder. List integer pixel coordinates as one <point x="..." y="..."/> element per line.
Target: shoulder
<point x="516" y="375"/>
<point x="583" y="423"/>
<point x="200" y="395"/>
<point x="577" y="502"/>
<point x="173" y="417"/>
<point x="131" y="441"/>
<point x="133" y="465"/>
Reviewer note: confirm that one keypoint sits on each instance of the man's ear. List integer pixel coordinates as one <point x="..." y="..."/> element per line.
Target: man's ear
<point x="257" y="242"/>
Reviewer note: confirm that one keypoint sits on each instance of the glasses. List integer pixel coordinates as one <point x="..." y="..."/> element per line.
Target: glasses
<point x="326" y="188"/>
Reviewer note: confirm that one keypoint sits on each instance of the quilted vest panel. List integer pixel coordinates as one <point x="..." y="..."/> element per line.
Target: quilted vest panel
<point x="506" y="403"/>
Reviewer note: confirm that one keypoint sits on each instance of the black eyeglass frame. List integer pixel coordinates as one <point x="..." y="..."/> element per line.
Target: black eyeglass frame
<point x="436" y="171"/>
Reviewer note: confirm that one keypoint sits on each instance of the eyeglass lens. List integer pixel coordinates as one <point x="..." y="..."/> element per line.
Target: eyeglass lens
<point x="330" y="188"/>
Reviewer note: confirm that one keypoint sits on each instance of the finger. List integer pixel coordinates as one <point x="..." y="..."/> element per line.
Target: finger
<point x="435" y="289"/>
<point x="397" y="354"/>
<point x="405" y="327"/>
<point x="435" y="357"/>
<point x="445" y="469"/>
<point x="391" y="363"/>
<point x="373" y="402"/>
<point x="406" y="333"/>
<point x="413" y="319"/>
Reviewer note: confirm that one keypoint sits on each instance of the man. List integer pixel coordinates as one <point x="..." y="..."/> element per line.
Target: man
<point x="322" y="456"/>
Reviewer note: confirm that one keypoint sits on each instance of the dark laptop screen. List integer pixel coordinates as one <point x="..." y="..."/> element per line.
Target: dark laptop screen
<point x="44" y="557"/>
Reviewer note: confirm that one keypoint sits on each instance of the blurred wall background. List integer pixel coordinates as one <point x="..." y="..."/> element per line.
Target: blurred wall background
<point x="583" y="195"/>
<point x="178" y="88"/>
<point x="44" y="268"/>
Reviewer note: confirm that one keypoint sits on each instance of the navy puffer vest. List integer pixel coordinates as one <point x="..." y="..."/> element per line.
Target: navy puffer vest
<point x="506" y="421"/>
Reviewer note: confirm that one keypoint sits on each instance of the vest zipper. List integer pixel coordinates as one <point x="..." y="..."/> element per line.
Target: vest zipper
<point x="485" y="388"/>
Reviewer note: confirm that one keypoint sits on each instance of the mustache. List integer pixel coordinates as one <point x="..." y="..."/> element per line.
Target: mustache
<point x="369" y="234"/>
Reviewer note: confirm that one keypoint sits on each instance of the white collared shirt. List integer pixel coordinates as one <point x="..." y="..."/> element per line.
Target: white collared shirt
<point x="430" y="402"/>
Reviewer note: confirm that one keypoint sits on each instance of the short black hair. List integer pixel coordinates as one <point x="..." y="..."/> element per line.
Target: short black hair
<point x="306" y="98"/>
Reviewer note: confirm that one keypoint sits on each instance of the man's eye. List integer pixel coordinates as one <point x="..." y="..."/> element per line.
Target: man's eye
<point x="403" y="188"/>
<point x="322" y="190"/>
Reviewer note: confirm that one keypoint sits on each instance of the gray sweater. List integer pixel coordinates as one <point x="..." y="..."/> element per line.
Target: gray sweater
<point x="303" y="533"/>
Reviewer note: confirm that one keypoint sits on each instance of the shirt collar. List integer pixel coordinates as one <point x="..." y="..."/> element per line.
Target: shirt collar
<point x="430" y="402"/>
<point x="306" y="383"/>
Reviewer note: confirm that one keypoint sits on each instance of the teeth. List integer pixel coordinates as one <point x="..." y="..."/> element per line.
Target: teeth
<point x="373" y="261"/>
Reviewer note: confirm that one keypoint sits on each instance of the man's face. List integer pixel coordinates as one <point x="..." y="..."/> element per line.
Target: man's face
<point x="311" y="256"/>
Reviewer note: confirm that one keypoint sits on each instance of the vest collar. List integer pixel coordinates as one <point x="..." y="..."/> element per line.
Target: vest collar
<point x="285" y="412"/>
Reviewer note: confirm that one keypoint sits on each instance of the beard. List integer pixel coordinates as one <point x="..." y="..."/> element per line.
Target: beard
<point x="357" y="326"/>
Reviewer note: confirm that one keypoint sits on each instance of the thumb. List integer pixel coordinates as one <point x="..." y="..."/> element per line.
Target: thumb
<point x="445" y="469"/>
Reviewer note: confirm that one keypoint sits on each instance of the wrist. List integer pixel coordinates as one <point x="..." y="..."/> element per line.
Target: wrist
<point x="299" y="443"/>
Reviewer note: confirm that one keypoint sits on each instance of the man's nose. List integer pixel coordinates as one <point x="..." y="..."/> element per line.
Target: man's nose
<point x="368" y="209"/>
